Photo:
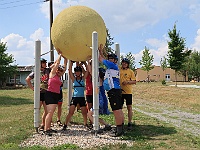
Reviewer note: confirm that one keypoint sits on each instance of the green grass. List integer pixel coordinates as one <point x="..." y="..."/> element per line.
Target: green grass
<point x="16" y="124"/>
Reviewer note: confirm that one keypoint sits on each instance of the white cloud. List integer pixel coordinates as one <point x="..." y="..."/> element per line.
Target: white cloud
<point x="196" y="44"/>
<point x="194" y="13"/>
<point x="159" y="50"/>
<point x="23" y="49"/>
<point x="127" y="15"/>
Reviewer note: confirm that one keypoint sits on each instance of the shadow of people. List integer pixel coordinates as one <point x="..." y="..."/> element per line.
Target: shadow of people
<point x="141" y="132"/>
<point x="8" y="101"/>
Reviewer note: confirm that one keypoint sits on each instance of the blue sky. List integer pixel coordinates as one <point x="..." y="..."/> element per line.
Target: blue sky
<point x="134" y="24"/>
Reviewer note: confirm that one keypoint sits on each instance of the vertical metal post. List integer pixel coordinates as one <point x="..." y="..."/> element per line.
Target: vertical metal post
<point x="95" y="66"/>
<point x="37" y="84"/>
<point x="117" y="52"/>
<point x="51" y="22"/>
<point x="69" y="87"/>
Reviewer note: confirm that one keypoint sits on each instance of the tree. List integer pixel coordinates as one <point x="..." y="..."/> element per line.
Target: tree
<point x="131" y="58"/>
<point x="147" y="61"/>
<point x="163" y="64"/>
<point x="193" y="65"/>
<point x="176" y="52"/>
<point x="6" y="69"/>
<point x="109" y="42"/>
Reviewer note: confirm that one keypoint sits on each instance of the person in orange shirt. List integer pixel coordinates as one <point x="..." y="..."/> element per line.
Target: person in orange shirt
<point x="127" y="79"/>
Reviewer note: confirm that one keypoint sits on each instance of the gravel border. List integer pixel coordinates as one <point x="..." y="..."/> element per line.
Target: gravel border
<point x="75" y="134"/>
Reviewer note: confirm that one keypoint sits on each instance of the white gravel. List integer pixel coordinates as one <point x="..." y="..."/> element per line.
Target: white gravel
<point x="75" y="134"/>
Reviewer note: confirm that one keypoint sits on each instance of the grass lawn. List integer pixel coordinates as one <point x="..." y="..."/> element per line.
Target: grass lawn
<point x="16" y="119"/>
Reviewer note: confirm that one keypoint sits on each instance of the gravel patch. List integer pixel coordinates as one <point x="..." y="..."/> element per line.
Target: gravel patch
<point x="167" y="113"/>
<point x="75" y="134"/>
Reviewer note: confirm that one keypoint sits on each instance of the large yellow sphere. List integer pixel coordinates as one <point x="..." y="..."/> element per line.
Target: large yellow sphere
<point x="72" y="29"/>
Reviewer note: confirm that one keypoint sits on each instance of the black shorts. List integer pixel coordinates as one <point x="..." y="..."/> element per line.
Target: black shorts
<point x="89" y="98"/>
<point x="42" y="97"/>
<point x="60" y="97"/>
<point x="78" y="100"/>
<point x="51" y="98"/>
<point x="114" y="96"/>
<point x="128" y="98"/>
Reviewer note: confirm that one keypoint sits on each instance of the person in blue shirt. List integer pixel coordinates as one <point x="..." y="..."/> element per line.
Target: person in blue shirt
<point x="112" y="86"/>
<point x="78" y="94"/>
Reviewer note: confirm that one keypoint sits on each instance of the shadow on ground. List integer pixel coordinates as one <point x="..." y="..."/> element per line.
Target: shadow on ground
<point x="142" y="132"/>
<point x="8" y="101"/>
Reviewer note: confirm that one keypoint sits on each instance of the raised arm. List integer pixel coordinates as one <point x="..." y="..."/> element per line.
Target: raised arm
<point x="70" y="71"/>
<point x="64" y="66"/>
<point x="86" y="72"/>
<point x="55" y="67"/>
<point x="101" y="56"/>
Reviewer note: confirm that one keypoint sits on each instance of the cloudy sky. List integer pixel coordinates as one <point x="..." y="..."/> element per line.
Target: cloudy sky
<point x="134" y="24"/>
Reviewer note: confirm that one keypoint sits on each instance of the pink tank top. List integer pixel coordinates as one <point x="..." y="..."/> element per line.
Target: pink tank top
<point x="89" y="85"/>
<point x="54" y="84"/>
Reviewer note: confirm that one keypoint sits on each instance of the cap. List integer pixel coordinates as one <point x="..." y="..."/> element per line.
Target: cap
<point x="112" y="55"/>
<point x="43" y="60"/>
<point x="126" y="60"/>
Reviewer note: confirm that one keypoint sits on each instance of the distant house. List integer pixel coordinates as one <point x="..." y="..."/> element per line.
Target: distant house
<point x="157" y="74"/>
<point x="22" y="72"/>
<point x="20" y="76"/>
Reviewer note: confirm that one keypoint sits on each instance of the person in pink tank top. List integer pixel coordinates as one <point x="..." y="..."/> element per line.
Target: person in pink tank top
<point x="52" y="95"/>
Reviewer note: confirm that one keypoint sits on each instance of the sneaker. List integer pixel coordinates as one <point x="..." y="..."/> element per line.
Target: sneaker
<point x="107" y="128"/>
<point x="130" y="126"/>
<point x="90" y="127"/>
<point x="53" y="131"/>
<point x="41" y="128"/>
<point x="64" y="127"/>
<point x="98" y="131"/>
<point x="117" y="132"/>
<point x="59" y="123"/>
<point x="48" y="132"/>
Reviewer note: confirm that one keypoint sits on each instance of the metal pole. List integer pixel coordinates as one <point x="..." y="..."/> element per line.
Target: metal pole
<point x="51" y="22"/>
<point x="95" y="65"/>
<point x="117" y="52"/>
<point x="37" y="84"/>
<point x="69" y="87"/>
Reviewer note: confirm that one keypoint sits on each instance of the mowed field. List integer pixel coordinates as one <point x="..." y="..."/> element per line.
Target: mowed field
<point x="16" y="119"/>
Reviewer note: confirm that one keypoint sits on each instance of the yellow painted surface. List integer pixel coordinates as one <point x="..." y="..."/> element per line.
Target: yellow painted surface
<point x="72" y="29"/>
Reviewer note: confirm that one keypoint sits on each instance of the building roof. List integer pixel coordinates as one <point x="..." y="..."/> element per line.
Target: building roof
<point x="25" y="68"/>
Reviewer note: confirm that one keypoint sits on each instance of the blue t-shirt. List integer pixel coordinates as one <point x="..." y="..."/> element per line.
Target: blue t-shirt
<point x="114" y="70"/>
<point x="79" y="88"/>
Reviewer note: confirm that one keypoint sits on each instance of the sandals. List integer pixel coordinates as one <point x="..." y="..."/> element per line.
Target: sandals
<point x="59" y="123"/>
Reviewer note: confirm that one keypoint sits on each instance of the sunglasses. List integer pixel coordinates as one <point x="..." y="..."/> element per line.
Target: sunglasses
<point x="110" y="58"/>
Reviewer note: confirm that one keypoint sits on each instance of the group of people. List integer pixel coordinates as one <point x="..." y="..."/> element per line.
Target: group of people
<point x="117" y="82"/>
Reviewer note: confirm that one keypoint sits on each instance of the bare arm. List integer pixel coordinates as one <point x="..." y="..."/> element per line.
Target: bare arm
<point x="28" y="81"/>
<point x="55" y="67"/>
<point x="86" y="72"/>
<point x="101" y="56"/>
<point x="64" y="66"/>
<point x="70" y="72"/>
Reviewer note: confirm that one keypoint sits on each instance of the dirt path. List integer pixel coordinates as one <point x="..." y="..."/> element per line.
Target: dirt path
<point x="164" y="112"/>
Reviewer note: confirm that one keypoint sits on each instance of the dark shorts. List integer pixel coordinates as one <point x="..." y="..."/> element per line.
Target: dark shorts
<point x="128" y="98"/>
<point x="114" y="96"/>
<point x="60" y="97"/>
<point x="51" y="98"/>
<point x="89" y="98"/>
<point x="42" y="97"/>
<point x="78" y="100"/>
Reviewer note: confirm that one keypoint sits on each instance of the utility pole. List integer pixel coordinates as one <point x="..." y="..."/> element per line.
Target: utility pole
<point x="51" y="22"/>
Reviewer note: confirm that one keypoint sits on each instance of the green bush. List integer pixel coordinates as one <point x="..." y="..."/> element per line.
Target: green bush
<point x="163" y="82"/>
